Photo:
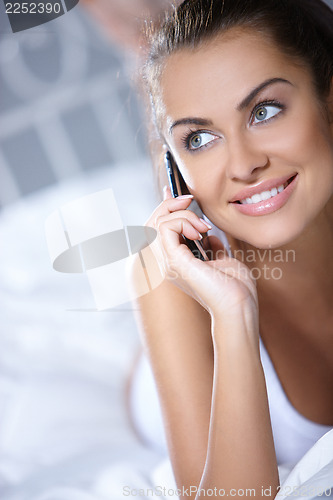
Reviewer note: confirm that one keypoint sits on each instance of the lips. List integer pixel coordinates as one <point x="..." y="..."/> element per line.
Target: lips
<point x="262" y="187"/>
<point x="263" y="205"/>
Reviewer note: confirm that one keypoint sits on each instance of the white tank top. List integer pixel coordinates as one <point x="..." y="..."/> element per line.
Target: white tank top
<point x="293" y="434"/>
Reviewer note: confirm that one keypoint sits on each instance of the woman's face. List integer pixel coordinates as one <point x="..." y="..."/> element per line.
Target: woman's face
<point x="250" y="138"/>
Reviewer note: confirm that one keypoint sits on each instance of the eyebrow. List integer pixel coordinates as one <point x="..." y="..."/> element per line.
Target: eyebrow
<point x="249" y="98"/>
<point x="192" y="121"/>
<point x="242" y="105"/>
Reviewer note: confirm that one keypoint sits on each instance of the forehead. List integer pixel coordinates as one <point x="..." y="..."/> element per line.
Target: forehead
<point x="222" y="70"/>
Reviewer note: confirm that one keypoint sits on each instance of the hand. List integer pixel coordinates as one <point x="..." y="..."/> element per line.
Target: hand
<point x="223" y="286"/>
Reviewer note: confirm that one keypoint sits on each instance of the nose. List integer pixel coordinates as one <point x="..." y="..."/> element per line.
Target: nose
<point x="245" y="159"/>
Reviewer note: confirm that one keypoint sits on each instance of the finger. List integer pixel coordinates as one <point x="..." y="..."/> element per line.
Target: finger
<point x="169" y="206"/>
<point x="199" y="224"/>
<point x="171" y="230"/>
<point x="166" y="192"/>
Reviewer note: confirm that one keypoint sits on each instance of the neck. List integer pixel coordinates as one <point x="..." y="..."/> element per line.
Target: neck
<point x="297" y="278"/>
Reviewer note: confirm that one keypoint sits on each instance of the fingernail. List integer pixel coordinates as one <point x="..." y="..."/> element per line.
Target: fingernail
<point x="208" y="225"/>
<point x="165" y="192"/>
<point x="184" y="196"/>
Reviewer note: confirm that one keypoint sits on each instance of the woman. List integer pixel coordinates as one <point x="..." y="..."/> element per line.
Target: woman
<point x="242" y="96"/>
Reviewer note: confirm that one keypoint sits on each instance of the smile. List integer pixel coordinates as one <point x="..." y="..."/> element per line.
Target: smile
<point x="266" y="195"/>
<point x="268" y="200"/>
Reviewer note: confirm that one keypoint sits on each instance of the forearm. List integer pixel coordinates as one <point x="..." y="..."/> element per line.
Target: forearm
<point x="183" y="370"/>
<point x="240" y="454"/>
<point x="176" y="332"/>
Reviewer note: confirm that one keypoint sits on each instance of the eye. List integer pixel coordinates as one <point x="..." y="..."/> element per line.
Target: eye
<point x="265" y="112"/>
<point x="199" y="140"/>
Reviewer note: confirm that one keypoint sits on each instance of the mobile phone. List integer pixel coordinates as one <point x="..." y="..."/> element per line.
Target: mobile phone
<point x="177" y="185"/>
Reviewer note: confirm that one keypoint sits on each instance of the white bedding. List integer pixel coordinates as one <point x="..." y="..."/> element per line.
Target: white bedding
<point x="64" y="432"/>
<point x="63" y="370"/>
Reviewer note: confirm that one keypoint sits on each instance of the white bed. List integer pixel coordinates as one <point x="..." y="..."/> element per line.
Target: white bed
<point x="63" y="369"/>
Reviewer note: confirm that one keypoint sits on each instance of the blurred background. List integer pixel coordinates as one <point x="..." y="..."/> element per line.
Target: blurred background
<point x="67" y="103"/>
<point x="72" y="123"/>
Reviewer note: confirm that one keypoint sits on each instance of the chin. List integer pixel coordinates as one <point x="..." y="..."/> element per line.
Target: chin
<point x="273" y="236"/>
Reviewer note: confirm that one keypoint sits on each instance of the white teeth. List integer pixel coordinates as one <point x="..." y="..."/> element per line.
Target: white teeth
<point x="265" y="195"/>
<point x="256" y="198"/>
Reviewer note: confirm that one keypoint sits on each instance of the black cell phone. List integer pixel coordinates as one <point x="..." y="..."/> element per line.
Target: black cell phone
<point x="177" y="186"/>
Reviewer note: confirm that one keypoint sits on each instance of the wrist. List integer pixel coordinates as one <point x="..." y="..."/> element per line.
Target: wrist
<point x="237" y="328"/>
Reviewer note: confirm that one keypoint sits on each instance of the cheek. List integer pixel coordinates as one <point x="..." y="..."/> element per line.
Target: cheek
<point x="206" y="185"/>
<point x="314" y="144"/>
<point x="300" y="140"/>
<point x="203" y="173"/>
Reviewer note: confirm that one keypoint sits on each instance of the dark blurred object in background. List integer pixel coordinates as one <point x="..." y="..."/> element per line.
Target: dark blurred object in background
<point x="67" y="104"/>
<point x="122" y="19"/>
